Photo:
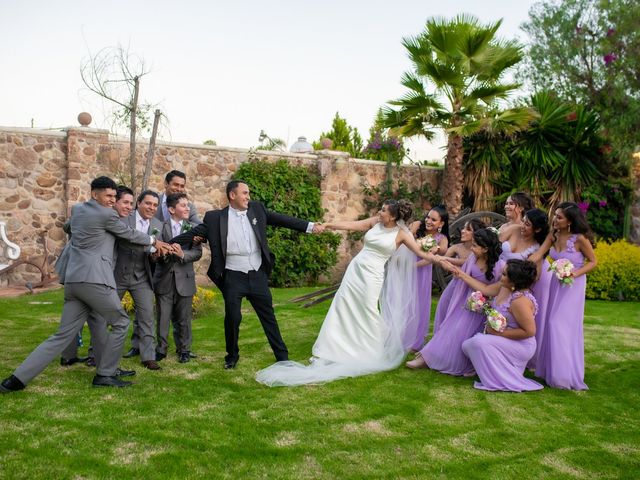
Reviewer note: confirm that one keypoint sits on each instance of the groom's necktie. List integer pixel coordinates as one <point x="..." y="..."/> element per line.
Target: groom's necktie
<point x="244" y="221"/>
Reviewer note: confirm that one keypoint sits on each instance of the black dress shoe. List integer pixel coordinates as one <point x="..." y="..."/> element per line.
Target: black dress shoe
<point x="160" y="356"/>
<point x="230" y="364"/>
<point x="125" y="373"/>
<point x="67" y="362"/>
<point x="184" y="357"/>
<point x="91" y="362"/>
<point x="102" y="381"/>
<point x="191" y="354"/>
<point x="11" y="384"/>
<point x="134" y="352"/>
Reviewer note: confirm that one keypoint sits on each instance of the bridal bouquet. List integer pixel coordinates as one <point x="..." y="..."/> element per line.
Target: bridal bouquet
<point x="477" y="302"/>
<point x="496" y="320"/>
<point x="427" y="243"/>
<point x="562" y="269"/>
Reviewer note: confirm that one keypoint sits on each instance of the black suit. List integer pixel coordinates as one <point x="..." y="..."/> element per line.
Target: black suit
<point x="237" y="285"/>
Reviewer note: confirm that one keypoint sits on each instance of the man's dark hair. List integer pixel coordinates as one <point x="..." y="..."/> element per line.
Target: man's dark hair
<point x="145" y="193"/>
<point x="101" y="183"/>
<point x="174" y="198"/>
<point x="232" y="185"/>
<point x="174" y="173"/>
<point x="122" y="190"/>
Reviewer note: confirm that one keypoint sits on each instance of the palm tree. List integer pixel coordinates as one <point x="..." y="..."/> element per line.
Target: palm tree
<point x="560" y="153"/>
<point x="464" y="64"/>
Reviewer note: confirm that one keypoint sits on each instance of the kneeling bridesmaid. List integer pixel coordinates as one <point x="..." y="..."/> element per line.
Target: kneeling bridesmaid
<point x="500" y="357"/>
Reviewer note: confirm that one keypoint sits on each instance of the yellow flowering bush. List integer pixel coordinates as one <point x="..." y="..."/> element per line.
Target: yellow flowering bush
<point x="202" y="300"/>
<point x="616" y="275"/>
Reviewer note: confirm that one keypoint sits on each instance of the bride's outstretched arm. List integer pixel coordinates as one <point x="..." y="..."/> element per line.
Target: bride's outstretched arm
<point x="356" y="225"/>
<point x="404" y="237"/>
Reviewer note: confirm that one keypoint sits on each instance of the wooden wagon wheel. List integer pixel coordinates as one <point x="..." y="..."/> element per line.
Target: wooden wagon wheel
<point x="441" y="277"/>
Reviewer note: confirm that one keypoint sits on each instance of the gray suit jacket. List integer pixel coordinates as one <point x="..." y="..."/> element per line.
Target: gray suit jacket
<point x="181" y="269"/>
<point x="133" y="265"/>
<point x="89" y="253"/>
<point x="193" y="213"/>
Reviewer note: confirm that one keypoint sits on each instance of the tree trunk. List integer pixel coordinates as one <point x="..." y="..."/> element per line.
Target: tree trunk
<point x="453" y="182"/>
<point x="152" y="150"/>
<point x="132" y="133"/>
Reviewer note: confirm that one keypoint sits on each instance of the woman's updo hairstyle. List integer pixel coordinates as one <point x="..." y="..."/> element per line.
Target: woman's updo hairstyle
<point x="522" y="273"/>
<point x="399" y="209"/>
<point x="488" y="238"/>
<point x="523" y="200"/>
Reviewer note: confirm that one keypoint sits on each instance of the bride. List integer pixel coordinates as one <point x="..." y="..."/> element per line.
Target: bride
<point x="357" y="337"/>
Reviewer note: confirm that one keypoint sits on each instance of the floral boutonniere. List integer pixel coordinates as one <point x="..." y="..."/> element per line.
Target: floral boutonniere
<point x="254" y="222"/>
<point x="154" y="232"/>
<point x="186" y="226"/>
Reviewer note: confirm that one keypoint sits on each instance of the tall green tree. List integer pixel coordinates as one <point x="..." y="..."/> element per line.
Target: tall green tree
<point x="588" y="52"/>
<point x="456" y="83"/>
<point x="343" y="136"/>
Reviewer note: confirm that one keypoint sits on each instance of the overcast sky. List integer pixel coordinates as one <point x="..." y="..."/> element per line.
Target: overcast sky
<point x="224" y="70"/>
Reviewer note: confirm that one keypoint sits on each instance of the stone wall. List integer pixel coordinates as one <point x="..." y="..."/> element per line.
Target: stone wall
<point x="43" y="173"/>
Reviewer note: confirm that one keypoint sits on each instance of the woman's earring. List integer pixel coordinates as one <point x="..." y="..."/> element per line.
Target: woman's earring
<point x="569" y="228"/>
<point x="439" y="229"/>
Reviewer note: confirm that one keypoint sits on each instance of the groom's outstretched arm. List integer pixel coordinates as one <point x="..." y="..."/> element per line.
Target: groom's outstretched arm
<point x="276" y="219"/>
<point x="186" y="238"/>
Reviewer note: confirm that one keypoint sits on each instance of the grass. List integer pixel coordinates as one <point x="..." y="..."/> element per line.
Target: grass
<point x="197" y="420"/>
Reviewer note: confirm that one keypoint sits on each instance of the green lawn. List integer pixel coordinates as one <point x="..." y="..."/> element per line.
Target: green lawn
<point x="197" y="420"/>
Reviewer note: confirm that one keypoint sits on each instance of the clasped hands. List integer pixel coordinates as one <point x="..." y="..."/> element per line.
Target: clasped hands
<point x="318" y="228"/>
<point x="163" y="249"/>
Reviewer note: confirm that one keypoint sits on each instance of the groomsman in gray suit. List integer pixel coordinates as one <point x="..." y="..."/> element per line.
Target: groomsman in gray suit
<point x="174" y="282"/>
<point x="89" y="285"/>
<point x="124" y="206"/>
<point x="133" y="274"/>
<point x="175" y="182"/>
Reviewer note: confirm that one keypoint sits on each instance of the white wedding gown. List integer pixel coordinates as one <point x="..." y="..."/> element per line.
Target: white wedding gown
<point x="356" y="338"/>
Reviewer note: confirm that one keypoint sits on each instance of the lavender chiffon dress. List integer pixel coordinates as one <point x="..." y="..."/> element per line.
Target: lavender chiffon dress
<point x="500" y="361"/>
<point x="424" y="280"/>
<point x="444" y="350"/>
<point x="540" y="290"/>
<point x="561" y="353"/>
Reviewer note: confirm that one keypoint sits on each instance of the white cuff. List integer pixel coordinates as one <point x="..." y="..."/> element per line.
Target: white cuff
<point x="310" y="227"/>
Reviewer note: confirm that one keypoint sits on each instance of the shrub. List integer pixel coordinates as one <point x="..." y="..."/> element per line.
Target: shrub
<point x="202" y="300"/>
<point x="605" y="207"/>
<point x="292" y="190"/>
<point x="616" y="275"/>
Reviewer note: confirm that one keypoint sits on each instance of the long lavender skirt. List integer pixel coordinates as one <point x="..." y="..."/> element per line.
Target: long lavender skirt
<point x="444" y="351"/>
<point x="424" y="277"/>
<point x="500" y="362"/>
<point x="561" y="354"/>
<point x="540" y="291"/>
<point x="443" y="303"/>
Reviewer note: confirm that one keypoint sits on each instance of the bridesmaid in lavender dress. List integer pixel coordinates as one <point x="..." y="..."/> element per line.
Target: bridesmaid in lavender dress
<point x="444" y="351"/>
<point x="436" y="225"/>
<point x="561" y="355"/>
<point x="521" y="242"/>
<point x="500" y="358"/>
<point x="456" y="255"/>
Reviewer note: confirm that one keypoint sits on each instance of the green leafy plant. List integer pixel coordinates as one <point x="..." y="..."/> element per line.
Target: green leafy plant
<point x="616" y="275"/>
<point x="292" y="190"/>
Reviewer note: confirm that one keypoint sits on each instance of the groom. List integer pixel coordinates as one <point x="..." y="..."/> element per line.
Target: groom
<point x="241" y="262"/>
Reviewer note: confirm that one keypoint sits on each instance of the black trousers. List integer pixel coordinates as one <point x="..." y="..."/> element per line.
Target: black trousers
<point x="253" y="285"/>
